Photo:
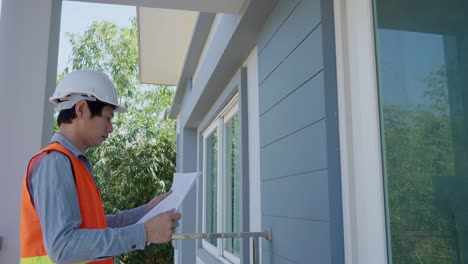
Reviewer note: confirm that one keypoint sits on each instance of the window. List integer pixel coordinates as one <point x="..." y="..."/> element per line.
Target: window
<point x="221" y="196"/>
<point x="422" y="71"/>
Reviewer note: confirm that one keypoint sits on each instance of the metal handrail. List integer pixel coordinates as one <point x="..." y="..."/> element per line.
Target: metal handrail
<point x="254" y="235"/>
<point x="266" y="235"/>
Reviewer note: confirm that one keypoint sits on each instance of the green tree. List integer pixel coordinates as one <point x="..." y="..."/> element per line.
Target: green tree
<point x="418" y="141"/>
<point x="138" y="159"/>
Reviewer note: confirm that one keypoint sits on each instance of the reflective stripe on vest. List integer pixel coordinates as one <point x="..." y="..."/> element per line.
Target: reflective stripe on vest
<point x="40" y="260"/>
<point x="89" y="200"/>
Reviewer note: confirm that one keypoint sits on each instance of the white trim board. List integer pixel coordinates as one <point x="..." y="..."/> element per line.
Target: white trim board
<point x="361" y="164"/>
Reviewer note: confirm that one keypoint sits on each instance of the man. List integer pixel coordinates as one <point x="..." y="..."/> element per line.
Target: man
<point x="62" y="216"/>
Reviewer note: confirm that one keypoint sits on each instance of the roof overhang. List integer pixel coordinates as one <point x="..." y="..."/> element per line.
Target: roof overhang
<point x="165" y="34"/>
<point x="200" y="35"/>
<point x="210" y="6"/>
<point x="164" y="37"/>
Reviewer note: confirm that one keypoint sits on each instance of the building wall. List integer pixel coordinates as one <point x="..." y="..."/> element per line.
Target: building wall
<point x="299" y="144"/>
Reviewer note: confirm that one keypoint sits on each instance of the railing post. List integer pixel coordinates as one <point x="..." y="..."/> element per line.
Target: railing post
<point x="255" y="250"/>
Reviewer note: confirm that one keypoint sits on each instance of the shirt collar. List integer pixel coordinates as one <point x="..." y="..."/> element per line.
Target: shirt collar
<point x="57" y="137"/>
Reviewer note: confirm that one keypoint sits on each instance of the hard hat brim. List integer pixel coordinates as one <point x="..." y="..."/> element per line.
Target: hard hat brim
<point x="120" y="110"/>
<point x="72" y="99"/>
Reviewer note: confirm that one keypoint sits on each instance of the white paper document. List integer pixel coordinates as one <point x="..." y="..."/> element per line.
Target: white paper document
<point x="181" y="184"/>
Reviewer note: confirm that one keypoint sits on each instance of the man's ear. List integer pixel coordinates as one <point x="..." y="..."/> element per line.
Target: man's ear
<point x="80" y="108"/>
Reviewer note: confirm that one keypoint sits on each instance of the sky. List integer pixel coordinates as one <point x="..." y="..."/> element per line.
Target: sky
<point x="78" y="16"/>
<point x="404" y="64"/>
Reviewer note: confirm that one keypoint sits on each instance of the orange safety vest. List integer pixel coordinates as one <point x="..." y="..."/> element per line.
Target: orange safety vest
<point x="89" y="199"/>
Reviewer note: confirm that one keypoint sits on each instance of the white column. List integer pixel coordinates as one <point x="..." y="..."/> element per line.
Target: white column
<point x="29" y="36"/>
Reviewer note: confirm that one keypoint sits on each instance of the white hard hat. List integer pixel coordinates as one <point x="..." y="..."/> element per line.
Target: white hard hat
<point x="88" y="85"/>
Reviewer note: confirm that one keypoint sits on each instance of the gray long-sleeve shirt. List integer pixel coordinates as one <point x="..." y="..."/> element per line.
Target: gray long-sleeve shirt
<point x="53" y="189"/>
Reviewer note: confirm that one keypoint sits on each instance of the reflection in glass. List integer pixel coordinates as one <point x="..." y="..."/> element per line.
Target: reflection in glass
<point x="422" y="55"/>
<point x="232" y="213"/>
<point x="211" y="184"/>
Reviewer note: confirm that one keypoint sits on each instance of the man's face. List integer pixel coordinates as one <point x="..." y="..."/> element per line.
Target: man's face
<point x="97" y="129"/>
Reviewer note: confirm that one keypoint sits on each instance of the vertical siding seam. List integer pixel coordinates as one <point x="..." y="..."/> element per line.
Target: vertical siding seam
<point x="281" y="62"/>
<point x="293" y="132"/>
<point x="279" y="27"/>
<point x="291" y="92"/>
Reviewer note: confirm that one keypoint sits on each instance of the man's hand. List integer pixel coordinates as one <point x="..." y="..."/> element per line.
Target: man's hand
<point x="159" y="228"/>
<point x="156" y="200"/>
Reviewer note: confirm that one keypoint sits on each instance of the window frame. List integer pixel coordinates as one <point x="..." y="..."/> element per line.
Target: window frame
<point x="205" y="244"/>
<point x="365" y="240"/>
<point x="237" y="85"/>
<point x="218" y="124"/>
<point x="232" y="109"/>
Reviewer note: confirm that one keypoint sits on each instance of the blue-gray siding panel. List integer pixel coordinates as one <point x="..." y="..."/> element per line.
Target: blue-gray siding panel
<point x="280" y="14"/>
<point x="299" y="158"/>
<point x="282" y="120"/>
<point x="305" y="62"/>
<point x="298" y="153"/>
<point x="268" y="257"/>
<point x="298" y="196"/>
<point x="301" y="22"/>
<point x="298" y="240"/>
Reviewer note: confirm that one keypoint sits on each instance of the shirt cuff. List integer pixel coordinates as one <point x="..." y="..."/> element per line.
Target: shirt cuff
<point x="136" y="236"/>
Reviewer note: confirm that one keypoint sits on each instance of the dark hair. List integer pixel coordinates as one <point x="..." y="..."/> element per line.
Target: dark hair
<point x="67" y="115"/>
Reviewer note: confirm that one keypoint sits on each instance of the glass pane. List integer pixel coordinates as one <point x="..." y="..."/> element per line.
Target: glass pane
<point x="422" y="55"/>
<point x="232" y="210"/>
<point x="211" y="184"/>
